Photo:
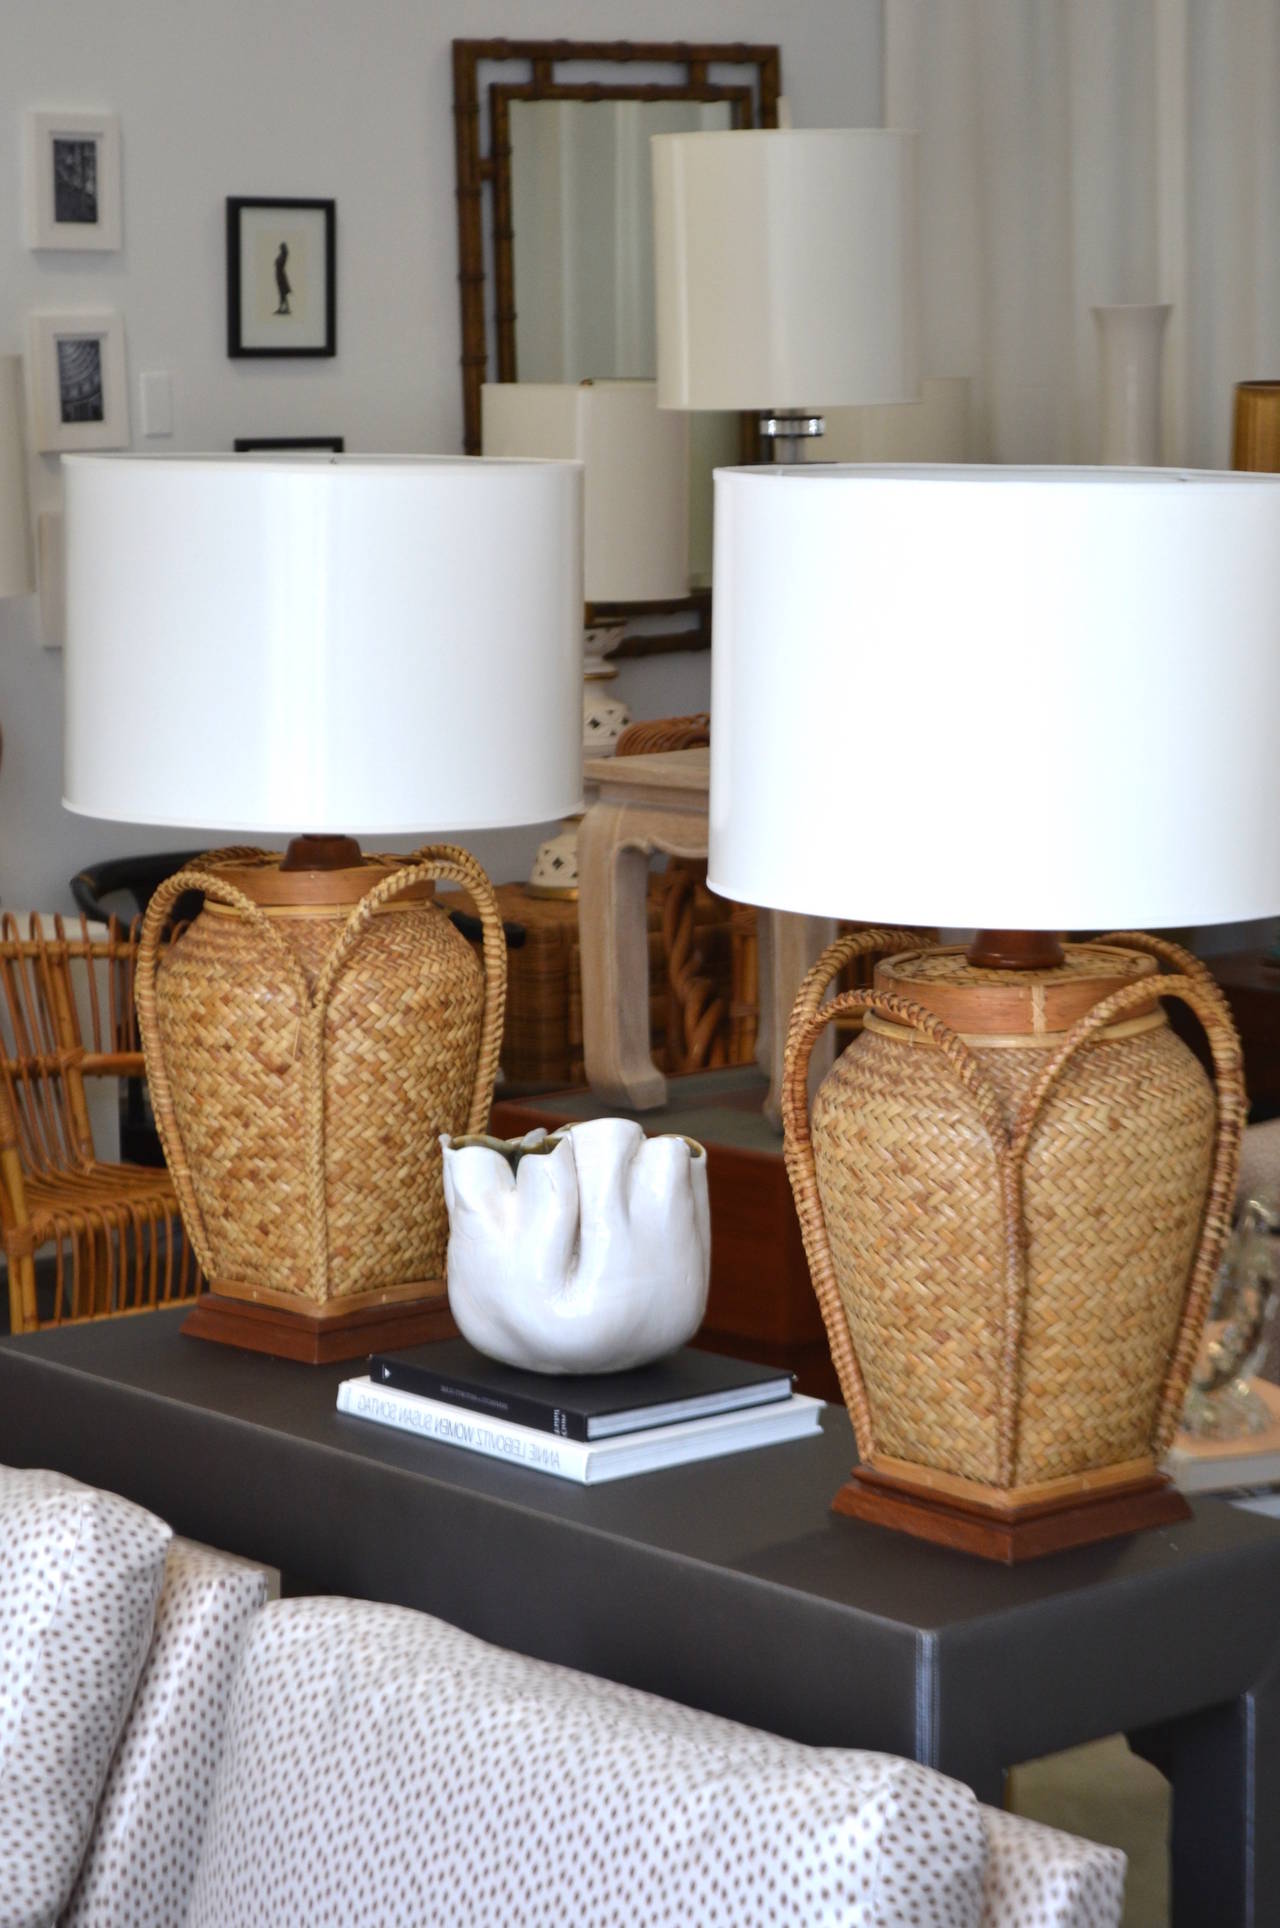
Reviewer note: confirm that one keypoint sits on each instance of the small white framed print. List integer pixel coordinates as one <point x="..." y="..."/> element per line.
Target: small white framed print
<point x="281" y="277"/>
<point x="73" y="180"/>
<point x="79" y="395"/>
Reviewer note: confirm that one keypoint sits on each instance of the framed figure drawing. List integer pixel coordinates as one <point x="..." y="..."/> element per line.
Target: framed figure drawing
<point x="73" y="180"/>
<point x="79" y="396"/>
<point x="281" y="277"/>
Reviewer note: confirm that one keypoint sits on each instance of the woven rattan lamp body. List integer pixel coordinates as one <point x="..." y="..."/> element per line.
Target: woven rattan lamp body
<point x="321" y="647"/>
<point x="1015" y="1183"/>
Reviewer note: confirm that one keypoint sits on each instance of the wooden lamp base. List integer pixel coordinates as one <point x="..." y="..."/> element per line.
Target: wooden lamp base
<point x="1092" y="1508"/>
<point x="324" y="1339"/>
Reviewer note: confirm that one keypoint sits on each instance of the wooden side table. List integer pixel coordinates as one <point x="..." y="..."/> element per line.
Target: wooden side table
<point x="659" y="803"/>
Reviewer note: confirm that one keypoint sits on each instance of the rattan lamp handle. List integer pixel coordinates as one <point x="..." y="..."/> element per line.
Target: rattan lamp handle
<point x="459" y="866"/>
<point x="451" y="861"/>
<point x="169" y="891"/>
<point x="827" y="967"/>
<point x="1202" y="996"/>
<point x="806" y="1029"/>
<point x="434" y="861"/>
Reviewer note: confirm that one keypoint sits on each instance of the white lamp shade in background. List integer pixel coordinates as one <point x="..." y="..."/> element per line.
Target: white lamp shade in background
<point x="636" y="476"/>
<point x="361" y="646"/>
<point x="786" y="267"/>
<point x="1017" y="699"/>
<point x="15" y="537"/>
<point x="934" y="429"/>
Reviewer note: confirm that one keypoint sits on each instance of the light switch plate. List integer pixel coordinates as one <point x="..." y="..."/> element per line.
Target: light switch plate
<point x="155" y="388"/>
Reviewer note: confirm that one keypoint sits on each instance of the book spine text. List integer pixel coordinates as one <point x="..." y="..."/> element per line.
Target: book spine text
<point x="412" y="1413"/>
<point x="510" y="1410"/>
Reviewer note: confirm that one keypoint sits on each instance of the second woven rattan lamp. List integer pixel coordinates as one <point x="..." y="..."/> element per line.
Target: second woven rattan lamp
<point x="359" y="646"/>
<point x="1055" y="691"/>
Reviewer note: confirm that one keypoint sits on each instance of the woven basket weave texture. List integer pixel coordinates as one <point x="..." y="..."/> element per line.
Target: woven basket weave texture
<point x="391" y="1086"/>
<point x="303" y="1067"/>
<point x="912" y="1205"/>
<point x="1013" y="1228"/>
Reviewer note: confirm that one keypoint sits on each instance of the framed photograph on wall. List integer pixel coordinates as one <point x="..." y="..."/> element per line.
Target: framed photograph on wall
<point x="73" y="180"/>
<point x="281" y="277"/>
<point x="79" y="395"/>
<point x="285" y="444"/>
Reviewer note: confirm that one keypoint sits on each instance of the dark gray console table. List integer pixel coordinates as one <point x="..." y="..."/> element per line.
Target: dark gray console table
<point x="727" y="1585"/>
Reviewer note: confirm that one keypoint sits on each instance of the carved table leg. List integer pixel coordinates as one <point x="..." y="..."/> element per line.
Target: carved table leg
<point x="613" y="936"/>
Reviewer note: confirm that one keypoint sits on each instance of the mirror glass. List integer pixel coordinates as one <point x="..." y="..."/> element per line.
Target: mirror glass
<point x="582" y="221"/>
<point x="582" y="215"/>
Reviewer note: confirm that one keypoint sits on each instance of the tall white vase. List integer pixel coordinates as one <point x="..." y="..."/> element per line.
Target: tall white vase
<point x="1130" y="348"/>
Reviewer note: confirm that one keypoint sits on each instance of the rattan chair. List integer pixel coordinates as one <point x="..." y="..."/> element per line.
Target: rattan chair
<point x="112" y="1231"/>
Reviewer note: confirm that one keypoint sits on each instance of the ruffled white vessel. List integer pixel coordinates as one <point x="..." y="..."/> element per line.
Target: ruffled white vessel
<point x="586" y="1251"/>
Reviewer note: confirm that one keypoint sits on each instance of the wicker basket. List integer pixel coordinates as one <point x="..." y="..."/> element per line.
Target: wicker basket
<point x="304" y="1060"/>
<point x="1013" y="1232"/>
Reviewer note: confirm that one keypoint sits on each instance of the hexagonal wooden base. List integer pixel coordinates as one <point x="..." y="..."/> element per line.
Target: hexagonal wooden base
<point x="1023" y="1534"/>
<point x="321" y="1341"/>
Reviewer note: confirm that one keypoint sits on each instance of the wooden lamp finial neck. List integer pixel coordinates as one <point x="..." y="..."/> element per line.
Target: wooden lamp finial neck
<point x="1016" y="950"/>
<point x="322" y="853"/>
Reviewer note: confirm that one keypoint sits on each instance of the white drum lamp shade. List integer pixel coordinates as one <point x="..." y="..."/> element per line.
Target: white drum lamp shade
<point x="360" y="646"/>
<point x="1055" y="691"/>
<point x="786" y="267"/>
<point x="15" y="539"/>
<point x="636" y="476"/>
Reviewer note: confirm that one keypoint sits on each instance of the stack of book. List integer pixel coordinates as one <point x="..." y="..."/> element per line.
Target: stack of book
<point x="606" y="1426"/>
<point x="1246" y="1470"/>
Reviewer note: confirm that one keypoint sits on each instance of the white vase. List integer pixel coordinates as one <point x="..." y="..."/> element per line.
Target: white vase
<point x="1130" y="350"/>
<point x="586" y="1251"/>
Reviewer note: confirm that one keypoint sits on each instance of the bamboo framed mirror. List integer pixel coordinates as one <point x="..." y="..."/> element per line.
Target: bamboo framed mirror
<point x="555" y="268"/>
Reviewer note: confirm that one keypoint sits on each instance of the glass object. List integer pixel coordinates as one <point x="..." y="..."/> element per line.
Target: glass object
<point x="1221" y="1404"/>
<point x="582" y="211"/>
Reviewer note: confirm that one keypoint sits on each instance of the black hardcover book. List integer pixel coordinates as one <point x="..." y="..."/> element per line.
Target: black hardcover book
<point x="688" y="1385"/>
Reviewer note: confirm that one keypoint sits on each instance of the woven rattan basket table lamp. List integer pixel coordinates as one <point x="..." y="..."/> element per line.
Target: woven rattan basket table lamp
<point x="1055" y="692"/>
<point x="324" y="649"/>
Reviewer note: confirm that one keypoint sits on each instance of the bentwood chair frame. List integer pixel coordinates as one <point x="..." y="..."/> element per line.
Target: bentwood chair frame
<point x="66" y="1016"/>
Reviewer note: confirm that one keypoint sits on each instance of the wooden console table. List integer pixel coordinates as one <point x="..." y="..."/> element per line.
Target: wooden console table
<point x="728" y="1585"/>
<point x="659" y="803"/>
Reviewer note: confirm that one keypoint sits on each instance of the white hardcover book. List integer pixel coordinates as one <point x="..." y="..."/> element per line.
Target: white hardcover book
<point x="587" y="1462"/>
<point x="1230" y="1465"/>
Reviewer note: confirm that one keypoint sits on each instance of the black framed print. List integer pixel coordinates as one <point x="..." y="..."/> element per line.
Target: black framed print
<point x="287" y="444"/>
<point x="281" y="277"/>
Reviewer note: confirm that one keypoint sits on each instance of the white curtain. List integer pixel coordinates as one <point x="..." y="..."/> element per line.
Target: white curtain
<point x="1076" y="152"/>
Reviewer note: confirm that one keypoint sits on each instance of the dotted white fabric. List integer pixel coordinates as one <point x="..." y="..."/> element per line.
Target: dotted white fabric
<point x="141" y="1860"/>
<point x="1040" y="1878"/>
<point x="80" y="1572"/>
<point x="380" y="1766"/>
